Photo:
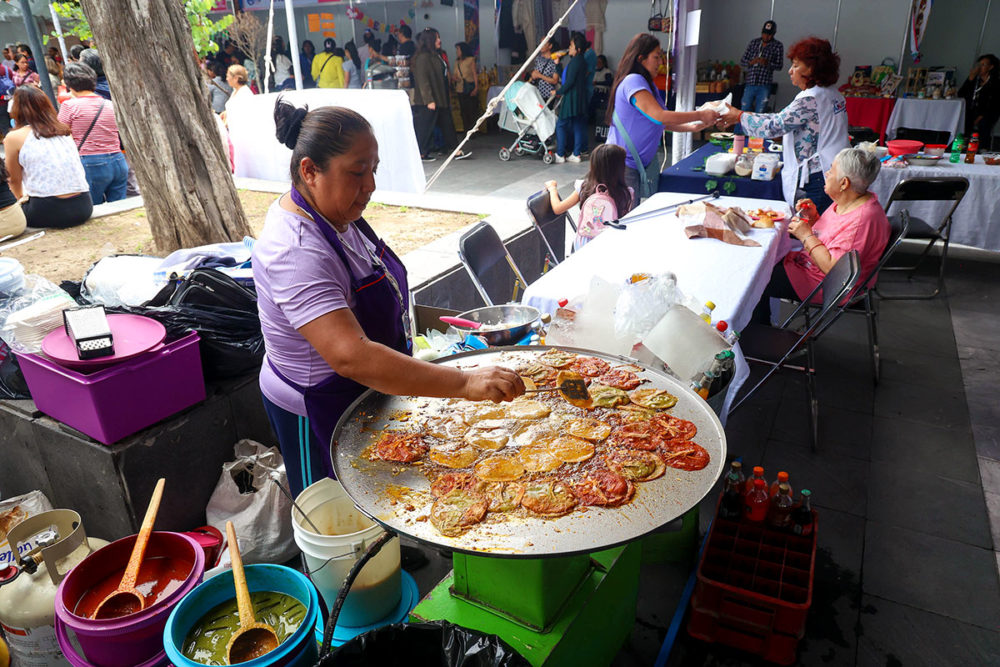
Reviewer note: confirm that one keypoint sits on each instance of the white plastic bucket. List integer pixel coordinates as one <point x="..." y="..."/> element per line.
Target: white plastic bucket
<point x="331" y="555"/>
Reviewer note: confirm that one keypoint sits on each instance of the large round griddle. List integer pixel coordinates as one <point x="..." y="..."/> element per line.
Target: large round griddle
<point x="380" y="489"/>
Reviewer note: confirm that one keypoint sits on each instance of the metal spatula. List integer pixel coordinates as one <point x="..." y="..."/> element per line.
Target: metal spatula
<point x="571" y="388"/>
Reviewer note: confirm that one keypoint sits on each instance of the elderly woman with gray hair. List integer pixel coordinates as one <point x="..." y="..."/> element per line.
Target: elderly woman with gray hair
<point x="855" y="221"/>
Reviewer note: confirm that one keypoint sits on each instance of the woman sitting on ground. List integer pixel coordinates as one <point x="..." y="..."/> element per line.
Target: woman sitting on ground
<point x="607" y="169"/>
<point x="12" y="222"/>
<point x="855" y="221"/>
<point x="92" y="120"/>
<point x="44" y="167"/>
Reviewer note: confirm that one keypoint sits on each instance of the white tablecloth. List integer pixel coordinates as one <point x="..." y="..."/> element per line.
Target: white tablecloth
<point x="976" y="221"/>
<point x="734" y="277"/>
<point x="258" y="154"/>
<point x="915" y="113"/>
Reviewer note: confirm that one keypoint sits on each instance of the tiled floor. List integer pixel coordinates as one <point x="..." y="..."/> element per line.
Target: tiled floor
<point x="906" y="477"/>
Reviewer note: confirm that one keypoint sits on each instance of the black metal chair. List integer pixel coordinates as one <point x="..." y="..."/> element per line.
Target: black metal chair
<point x="951" y="188"/>
<point x="777" y="346"/>
<point x="862" y="301"/>
<point x="550" y="226"/>
<point x="483" y="254"/>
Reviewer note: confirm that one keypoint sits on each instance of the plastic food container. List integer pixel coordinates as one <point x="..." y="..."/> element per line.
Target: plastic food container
<point x="11" y="275"/>
<point x="935" y="150"/>
<point x="904" y="146"/>
<point x="116" y="402"/>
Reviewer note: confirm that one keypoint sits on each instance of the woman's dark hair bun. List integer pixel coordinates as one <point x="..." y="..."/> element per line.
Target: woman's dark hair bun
<point x="288" y="122"/>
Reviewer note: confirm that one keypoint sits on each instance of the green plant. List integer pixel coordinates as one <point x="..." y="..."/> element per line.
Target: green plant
<point x="404" y="209"/>
<point x="729" y="187"/>
<point x="202" y="27"/>
<point x="711" y="184"/>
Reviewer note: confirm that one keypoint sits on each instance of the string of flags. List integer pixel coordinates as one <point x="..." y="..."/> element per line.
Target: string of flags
<point x="378" y="26"/>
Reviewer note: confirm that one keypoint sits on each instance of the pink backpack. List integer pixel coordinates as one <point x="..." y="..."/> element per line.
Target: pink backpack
<point x="594" y="212"/>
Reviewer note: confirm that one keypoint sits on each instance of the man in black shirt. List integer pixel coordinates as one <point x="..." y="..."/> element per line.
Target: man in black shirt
<point x="982" y="98"/>
<point x="406" y="46"/>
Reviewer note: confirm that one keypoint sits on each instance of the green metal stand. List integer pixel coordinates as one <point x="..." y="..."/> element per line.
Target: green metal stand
<point x="675" y="546"/>
<point x="569" y="611"/>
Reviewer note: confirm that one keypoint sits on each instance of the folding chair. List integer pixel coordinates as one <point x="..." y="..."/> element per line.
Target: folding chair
<point x="549" y="224"/>
<point x="480" y="251"/>
<point x="776" y="346"/>
<point x="862" y="301"/>
<point x="951" y="189"/>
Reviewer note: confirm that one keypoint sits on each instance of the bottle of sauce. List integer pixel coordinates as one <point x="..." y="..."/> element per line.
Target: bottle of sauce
<point x="732" y="494"/>
<point x="970" y="152"/>
<point x="756" y="502"/>
<point x="758" y="473"/>
<point x="782" y="479"/>
<point x="802" y="518"/>
<point x="779" y="514"/>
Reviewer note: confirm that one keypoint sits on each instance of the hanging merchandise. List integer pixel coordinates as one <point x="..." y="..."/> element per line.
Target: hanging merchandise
<point x="656" y="17"/>
<point x="920" y="14"/>
<point x="594" y="11"/>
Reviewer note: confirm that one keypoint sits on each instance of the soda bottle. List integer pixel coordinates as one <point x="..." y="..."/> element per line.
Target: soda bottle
<point x="802" y="518"/>
<point x="732" y="494"/>
<point x="782" y="479"/>
<point x="758" y="473"/>
<point x="756" y="502"/>
<point x="779" y="514"/>
<point x="706" y="312"/>
<point x="956" y="149"/>
<point x="973" y="148"/>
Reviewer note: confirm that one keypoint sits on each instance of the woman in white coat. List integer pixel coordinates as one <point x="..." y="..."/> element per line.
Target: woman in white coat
<point x="814" y="124"/>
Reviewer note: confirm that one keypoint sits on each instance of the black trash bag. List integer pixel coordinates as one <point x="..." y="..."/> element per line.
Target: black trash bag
<point x="12" y="384"/>
<point x="438" y="643"/>
<point x="231" y="341"/>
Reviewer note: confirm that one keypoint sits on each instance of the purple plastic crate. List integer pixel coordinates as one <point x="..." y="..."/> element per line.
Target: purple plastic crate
<point x="116" y="402"/>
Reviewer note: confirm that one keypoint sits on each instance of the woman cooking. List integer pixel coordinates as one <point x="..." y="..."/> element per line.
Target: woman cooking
<point x="814" y="125"/>
<point x="333" y="298"/>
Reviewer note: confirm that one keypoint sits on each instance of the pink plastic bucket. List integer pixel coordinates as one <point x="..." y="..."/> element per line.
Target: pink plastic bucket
<point x="136" y="639"/>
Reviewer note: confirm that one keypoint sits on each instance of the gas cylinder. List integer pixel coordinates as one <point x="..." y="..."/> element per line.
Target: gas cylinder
<point x="28" y="588"/>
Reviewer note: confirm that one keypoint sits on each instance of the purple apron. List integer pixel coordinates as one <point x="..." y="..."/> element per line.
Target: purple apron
<point x="380" y="310"/>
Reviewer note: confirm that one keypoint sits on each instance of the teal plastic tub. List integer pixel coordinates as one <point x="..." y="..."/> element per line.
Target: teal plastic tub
<point x="299" y="650"/>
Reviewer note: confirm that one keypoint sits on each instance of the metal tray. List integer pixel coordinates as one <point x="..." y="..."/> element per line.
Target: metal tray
<point x="374" y="485"/>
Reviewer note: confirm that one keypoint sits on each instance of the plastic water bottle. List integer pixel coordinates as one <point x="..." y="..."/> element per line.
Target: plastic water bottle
<point x="956" y="149"/>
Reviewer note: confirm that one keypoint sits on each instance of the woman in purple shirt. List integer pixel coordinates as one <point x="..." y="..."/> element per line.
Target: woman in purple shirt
<point x="333" y="298"/>
<point x="637" y="116"/>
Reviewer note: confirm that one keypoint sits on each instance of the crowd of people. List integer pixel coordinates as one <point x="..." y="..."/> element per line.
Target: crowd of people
<point x="57" y="165"/>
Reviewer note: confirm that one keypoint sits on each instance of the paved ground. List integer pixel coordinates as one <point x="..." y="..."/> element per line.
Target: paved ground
<point x="906" y="478"/>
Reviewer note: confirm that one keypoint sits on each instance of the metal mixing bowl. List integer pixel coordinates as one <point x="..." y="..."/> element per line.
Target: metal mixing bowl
<point x="502" y="325"/>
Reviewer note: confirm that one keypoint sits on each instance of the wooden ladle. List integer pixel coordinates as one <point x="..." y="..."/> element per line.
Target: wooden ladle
<point x="253" y="639"/>
<point x="126" y="599"/>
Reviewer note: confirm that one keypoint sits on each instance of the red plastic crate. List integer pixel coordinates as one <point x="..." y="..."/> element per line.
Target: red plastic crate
<point x="754" y="588"/>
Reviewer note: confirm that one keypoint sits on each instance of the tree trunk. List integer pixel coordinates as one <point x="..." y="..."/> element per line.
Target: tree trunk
<point x="166" y="123"/>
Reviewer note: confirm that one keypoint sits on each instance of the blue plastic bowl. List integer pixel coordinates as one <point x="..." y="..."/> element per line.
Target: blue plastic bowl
<point x="299" y="650"/>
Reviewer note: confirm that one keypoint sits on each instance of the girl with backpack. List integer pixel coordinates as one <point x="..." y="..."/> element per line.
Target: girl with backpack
<point x="604" y="194"/>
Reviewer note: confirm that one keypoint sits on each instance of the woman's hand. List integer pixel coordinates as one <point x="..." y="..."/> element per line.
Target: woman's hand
<point x="708" y="116"/>
<point x="551" y="185"/>
<point x="493" y="383"/>
<point x="799" y="228"/>
<point x="729" y="118"/>
<point x="806" y="209"/>
<point x="432" y="106"/>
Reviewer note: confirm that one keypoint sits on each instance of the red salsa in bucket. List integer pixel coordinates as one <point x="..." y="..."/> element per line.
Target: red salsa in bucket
<point x="158" y="577"/>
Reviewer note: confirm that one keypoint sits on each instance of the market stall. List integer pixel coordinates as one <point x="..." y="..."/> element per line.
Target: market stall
<point x="976" y="221"/>
<point x="258" y="154"/>
<point x="927" y="114"/>
<point x="872" y="112"/>
<point x="689" y="175"/>
<point x="660" y="244"/>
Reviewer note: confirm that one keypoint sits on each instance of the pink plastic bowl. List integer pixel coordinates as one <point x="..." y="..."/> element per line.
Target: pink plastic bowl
<point x="904" y="146"/>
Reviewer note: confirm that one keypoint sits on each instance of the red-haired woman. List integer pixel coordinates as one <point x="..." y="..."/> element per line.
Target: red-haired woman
<point x="814" y="124"/>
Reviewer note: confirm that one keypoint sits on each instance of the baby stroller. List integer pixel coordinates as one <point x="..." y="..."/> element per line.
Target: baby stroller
<point x="525" y="113"/>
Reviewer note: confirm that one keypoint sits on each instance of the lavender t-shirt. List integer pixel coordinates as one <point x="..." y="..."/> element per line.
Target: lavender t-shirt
<point x="299" y="277"/>
<point x="644" y="131"/>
